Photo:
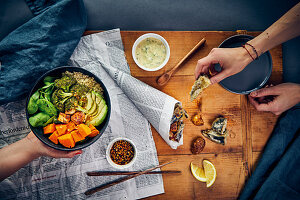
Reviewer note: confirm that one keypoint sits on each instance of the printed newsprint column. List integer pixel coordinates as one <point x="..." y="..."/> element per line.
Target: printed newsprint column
<point x="50" y="178"/>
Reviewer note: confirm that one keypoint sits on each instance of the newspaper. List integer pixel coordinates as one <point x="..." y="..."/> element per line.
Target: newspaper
<point x="93" y="53"/>
<point x="50" y="178"/>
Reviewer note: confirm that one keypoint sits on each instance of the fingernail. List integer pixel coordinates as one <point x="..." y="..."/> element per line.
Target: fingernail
<point x="253" y="93"/>
<point x="77" y="153"/>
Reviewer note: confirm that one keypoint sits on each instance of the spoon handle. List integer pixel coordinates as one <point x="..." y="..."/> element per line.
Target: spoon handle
<point x="187" y="55"/>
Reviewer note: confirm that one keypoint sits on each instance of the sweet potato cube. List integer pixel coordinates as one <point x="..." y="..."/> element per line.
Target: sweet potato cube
<point x="93" y="130"/>
<point x="92" y="127"/>
<point x="50" y="128"/>
<point x="63" y="118"/>
<point x="84" y="130"/>
<point x="54" y="137"/>
<point x="76" y="136"/>
<point x="70" y="126"/>
<point x="61" y="129"/>
<point x="66" y="140"/>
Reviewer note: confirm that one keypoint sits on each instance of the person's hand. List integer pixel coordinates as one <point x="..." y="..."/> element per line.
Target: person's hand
<point x="40" y="149"/>
<point x="231" y="60"/>
<point x="285" y="95"/>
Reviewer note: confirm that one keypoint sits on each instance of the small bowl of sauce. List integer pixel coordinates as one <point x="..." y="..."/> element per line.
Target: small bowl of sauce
<point x="151" y="52"/>
<point x="121" y="153"/>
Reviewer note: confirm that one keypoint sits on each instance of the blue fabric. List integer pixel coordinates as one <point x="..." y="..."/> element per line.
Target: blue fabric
<point x="277" y="175"/>
<point x="39" y="6"/>
<point x="43" y="43"/>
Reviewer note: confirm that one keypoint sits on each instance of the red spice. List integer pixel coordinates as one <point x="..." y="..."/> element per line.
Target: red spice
<point x="122" y="152"/>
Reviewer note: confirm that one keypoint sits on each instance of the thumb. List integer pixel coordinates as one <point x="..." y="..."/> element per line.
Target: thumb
<point x="203" y="64"/>
<point x="219" y="77"/>
<point x="264" y="92"/>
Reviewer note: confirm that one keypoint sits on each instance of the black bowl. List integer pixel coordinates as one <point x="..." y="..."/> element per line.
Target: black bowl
<point x="38" y="131"/>
<point x="252" y="77"/>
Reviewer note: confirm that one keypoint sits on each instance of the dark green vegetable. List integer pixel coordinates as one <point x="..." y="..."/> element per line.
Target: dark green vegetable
<point x="39" y="119"/>
<point x="64" y="83"/>
<point x="59" y="97"/>
<point x="71" y="103"/>
<point x="32" y="106"/>
<point x="59" y="106"/>
<point x="48" y="80"/>
<point x="59" y="94"/>
<point x="47" y="86"/>
<point x="55" y="121"/>
<point x="79" y="90"/>
<point x="36" y="95"/>
<point x="47" y="107"/>
<point x="47" y="93"/>
<point x="49" y="121"/>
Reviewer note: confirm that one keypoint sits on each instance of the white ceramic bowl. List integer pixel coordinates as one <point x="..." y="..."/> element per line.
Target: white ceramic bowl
<point x="112" y="162"/>
<point x="156" y="36"/>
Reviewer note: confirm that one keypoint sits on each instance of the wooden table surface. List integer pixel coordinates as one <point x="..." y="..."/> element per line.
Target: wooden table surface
<point x="248" y="129"/>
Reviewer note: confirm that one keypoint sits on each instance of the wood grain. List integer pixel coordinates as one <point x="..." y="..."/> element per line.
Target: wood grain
<point x="248" y="129"/>
<point x="229" y="182"/>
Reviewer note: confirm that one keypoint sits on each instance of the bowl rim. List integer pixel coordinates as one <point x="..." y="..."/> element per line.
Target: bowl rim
<point x="156" y="36"/>
<point x="248" y="37"/>
<point x="60" y="147"/>
<point x="109" y="160"/>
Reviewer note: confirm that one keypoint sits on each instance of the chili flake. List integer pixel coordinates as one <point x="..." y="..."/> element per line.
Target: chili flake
<point x="122" y="152"/>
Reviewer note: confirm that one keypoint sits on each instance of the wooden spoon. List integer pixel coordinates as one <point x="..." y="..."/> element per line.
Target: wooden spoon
<point x="165" y="77"/>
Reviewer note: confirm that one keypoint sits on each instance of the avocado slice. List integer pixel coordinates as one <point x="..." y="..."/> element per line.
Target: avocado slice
<point x="93" y="96"/>
<point x="99" y="108"/>
<point x="99" y="102"/>
<point x="97" y="95"/>
<point x="98" y="116"/>
<point x="98" y="119"/>
<point x="90" y="101"/>
<point x="93" y="108"/>
<point x="98" y="98"/>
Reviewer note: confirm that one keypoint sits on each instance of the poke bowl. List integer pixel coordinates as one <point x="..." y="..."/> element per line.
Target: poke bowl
<point x="68" y="108"/>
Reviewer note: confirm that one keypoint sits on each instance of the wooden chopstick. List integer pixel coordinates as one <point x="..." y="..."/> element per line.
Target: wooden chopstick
<point x="107" y="185"/>
<point x="112" y="173"/>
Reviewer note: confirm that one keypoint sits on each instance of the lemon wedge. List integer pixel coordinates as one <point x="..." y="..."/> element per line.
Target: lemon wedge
<point x="198" y="172"/>
<point x="207" y="173"/>
<point x="210" y="172"/>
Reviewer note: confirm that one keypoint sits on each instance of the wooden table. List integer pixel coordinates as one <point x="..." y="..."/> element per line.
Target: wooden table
<point x="248" y="129"/>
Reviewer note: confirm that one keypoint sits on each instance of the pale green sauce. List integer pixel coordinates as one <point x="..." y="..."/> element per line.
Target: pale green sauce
<point x="150" y="53"/>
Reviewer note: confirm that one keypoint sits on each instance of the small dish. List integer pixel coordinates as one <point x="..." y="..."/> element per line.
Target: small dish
<point x="252" y="77"/>
<point x="111" y="162"/>
<point x="158" y="37"/>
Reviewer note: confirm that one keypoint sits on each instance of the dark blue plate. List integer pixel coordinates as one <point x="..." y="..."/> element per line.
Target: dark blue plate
<point x="38" y="131"/>
<point x="253" y="76"/>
